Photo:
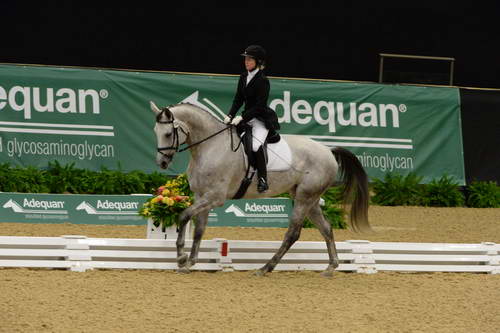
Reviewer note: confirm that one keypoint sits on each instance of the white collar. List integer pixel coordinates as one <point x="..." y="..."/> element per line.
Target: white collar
<point x="251" y="75"/>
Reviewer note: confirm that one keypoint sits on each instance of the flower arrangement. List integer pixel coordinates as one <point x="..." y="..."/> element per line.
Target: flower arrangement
<point x="169" y="202"/>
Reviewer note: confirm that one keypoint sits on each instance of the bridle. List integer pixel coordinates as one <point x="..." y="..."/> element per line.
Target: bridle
<point x="175" y="144"/>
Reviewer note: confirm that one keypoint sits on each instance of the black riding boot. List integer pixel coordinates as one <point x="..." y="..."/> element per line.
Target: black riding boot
<point x="260" y="161"/>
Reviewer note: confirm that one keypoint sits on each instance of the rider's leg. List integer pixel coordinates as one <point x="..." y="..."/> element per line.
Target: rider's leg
<point x="261" y="162"/>
<point x="259" y="133"/>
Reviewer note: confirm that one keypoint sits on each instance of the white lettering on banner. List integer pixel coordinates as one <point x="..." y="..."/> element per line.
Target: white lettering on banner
<point x="330" y="113"/>
<point x="83" y="150"/>
<point x="264" y="208"/>
<point x="117" y="205"/>
<point x="3" y="97"/>
<point x="49" y="105"/>
<point x="386" y="162"/>
<point x="43" y="204"/>
<point x="67" y="100"/>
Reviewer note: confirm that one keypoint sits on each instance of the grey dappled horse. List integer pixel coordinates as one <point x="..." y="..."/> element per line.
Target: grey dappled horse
<point x="215" y="173"/>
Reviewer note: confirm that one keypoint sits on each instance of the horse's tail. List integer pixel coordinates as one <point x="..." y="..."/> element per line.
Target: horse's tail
<point x="355" y="192"/>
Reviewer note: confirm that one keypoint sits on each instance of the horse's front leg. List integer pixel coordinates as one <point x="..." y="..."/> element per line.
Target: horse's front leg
<point x="200" y="209"/>
<point x="181" y="256"/>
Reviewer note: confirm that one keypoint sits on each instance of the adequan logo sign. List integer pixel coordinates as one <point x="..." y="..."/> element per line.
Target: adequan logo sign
<point x="47" y="207"/>
<point x="257" y="210"/>
<point x="73" y="208"/>
<point x="106" y="207"/>
<point x="252" y="213"/>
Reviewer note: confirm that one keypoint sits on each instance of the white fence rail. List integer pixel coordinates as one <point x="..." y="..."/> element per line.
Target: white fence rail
<point x="79" y="253"/>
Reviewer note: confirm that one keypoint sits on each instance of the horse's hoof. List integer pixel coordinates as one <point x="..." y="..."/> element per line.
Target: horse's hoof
<point x="182" y="260"/>
<point x="183" y="270"/>
<point x="259" y="273"/>
<point x="327" y="274"/>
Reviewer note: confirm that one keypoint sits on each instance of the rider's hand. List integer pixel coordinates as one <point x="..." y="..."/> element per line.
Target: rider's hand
<point x="236" y="120"/>
<point x="227" y="120"/>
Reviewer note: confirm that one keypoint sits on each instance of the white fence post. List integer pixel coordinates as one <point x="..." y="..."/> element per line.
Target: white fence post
<point x="223" y="250"/>
<point x="77" y="253"/>
<point x="154" y="232"/>
<point x="494" y="256"/>
<point x="363" y="256"/>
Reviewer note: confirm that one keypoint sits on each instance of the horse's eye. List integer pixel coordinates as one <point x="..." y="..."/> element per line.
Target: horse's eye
<point x="168" y="134"/>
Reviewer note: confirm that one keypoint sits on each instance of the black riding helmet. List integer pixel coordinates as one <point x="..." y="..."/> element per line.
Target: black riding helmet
<point x="257" y="52"/>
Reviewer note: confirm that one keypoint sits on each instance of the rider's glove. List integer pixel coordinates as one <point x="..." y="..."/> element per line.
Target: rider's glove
<point x="236" y="120"/>
<point x="227" y="120"/>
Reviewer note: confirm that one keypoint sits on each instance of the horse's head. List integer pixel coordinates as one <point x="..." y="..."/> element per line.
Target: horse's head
<point x="170" y="134"/>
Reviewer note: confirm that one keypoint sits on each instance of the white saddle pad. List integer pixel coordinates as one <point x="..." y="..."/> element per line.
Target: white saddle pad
<point x="279" y="156"/>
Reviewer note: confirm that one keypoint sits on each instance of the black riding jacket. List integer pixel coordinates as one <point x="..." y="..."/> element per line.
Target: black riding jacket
<point x="254" y="96"/>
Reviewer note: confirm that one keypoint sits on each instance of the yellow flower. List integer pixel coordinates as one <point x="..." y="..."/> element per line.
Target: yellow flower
<point x="145" y="211"/>
<point x="165" y="192"/>
<point x="157" y="199"/>
<point x="169" y="201"/>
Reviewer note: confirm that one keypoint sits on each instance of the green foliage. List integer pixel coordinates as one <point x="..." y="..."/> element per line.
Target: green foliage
<point x="7" y="181"/>
<point x="397" y="190"/>
<point x="483" y="195"/>
<point x="19" y="179"/>
<point x="29" y="179"/>
<point x="65" y="178"/>
<point x="443" y="192"/>
<point x="57" y="178"/>
<point x="153" y="180"/>
<point x="394" y="190"/>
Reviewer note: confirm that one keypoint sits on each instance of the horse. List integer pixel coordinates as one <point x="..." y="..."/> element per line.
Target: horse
<point x="215" y="171"/>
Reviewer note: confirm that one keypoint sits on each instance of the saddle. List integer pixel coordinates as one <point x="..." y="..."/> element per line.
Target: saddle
<point x="245" y="133"/>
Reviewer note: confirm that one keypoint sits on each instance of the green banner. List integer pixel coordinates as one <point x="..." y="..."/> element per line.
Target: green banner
<point x="101" y="118"/>
<point x="72" y="208"/>
<point x="122" y="210"/>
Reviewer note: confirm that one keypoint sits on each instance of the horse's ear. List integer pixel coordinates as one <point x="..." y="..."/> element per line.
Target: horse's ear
<point x="154" y="108"/>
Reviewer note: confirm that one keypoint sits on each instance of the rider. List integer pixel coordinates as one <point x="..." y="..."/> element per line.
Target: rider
<point x="253" y="90"/>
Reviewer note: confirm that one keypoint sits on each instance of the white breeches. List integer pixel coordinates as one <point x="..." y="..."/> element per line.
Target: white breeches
<point x="259" y="133"/>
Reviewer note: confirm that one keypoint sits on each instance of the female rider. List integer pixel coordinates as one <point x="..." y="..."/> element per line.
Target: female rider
<point x="253" y="91"/>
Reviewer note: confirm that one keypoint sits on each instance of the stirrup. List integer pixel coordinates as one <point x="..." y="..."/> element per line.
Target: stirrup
<point x="262" y="185"/>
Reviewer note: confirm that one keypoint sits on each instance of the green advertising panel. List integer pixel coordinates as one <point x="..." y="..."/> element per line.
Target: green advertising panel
<point x="252" y="213"/>
<point x="72" y="208"/>
<point x="101" y="118"/>
<point x="123" y="210"/>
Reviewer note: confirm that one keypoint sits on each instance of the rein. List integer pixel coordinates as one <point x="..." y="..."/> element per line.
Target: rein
<point x="176" y="144"/>
<point x="203" y="140"/>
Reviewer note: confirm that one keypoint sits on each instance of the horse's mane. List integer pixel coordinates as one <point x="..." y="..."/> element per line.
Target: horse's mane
<point x="196" y="107"/>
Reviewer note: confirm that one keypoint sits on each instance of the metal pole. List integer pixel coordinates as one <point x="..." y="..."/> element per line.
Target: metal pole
<point x="381" y="68"/>
<point x="452" y="68"/>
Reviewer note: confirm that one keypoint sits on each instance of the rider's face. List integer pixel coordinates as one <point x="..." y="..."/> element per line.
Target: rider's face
<point x="250" y="63"/>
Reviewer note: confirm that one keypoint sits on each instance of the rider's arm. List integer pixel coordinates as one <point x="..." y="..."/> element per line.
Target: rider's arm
<point x="238" y="99"/>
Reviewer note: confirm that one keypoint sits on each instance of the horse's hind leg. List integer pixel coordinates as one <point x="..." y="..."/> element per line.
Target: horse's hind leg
<point x="292" y="235"/>
<point x="325" y="228"/>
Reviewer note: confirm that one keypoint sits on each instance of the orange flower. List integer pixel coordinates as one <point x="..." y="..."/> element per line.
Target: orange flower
<point x="160" y="190"/>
